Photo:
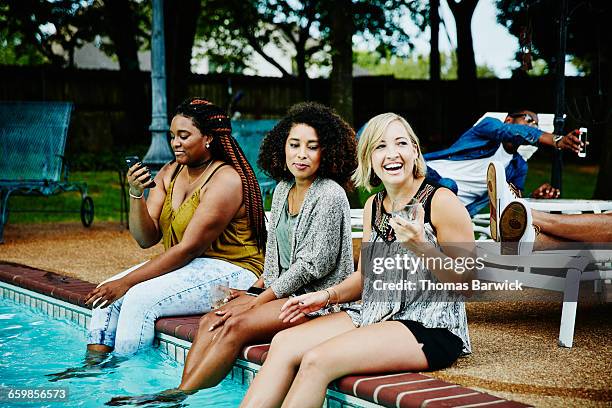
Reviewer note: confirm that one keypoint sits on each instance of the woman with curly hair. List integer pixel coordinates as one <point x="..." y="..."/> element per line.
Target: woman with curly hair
<point x="396" y="330"/>
<point x="311" y="152"/>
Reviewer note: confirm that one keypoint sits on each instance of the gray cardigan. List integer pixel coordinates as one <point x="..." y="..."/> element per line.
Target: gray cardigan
<point x="321" y="248"/>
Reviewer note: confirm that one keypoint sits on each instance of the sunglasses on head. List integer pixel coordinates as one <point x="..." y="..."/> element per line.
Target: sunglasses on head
<point x="530" y="120"/>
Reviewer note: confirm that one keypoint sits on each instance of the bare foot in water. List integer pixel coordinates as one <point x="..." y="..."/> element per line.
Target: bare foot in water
<point x="173" y="395"/>
<point x="94" y="364"/>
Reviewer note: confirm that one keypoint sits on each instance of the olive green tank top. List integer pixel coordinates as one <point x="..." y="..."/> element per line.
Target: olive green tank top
<point x="236" y="244"/>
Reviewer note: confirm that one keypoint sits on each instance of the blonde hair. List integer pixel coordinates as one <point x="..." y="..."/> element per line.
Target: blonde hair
<point x="372" y="133"/>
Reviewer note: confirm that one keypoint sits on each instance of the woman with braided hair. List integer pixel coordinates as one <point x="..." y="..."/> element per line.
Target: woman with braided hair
<point x="207" y="210"/>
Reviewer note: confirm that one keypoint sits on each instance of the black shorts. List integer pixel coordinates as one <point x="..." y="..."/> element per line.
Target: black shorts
<point x="440" y="346"/>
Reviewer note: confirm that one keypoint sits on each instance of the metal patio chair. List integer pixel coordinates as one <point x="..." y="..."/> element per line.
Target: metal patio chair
<point x="32" y="143"/>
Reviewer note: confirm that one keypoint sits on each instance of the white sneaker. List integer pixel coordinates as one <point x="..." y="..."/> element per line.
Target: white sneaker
<point x="500" y="194"/>
<point x="517" y="232"/>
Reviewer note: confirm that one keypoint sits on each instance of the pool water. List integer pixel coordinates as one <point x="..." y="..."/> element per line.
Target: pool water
<point x="32" y="346"/>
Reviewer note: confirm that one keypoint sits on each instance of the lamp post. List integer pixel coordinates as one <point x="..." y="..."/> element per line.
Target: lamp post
<point x="559" y="122"/>
<point x="159" y="152"/>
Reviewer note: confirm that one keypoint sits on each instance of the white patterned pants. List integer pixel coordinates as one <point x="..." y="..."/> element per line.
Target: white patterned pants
<point x="128" y="324"/>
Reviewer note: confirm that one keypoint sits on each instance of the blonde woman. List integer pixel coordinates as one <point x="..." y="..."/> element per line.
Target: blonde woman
<point x="425" y="332"/>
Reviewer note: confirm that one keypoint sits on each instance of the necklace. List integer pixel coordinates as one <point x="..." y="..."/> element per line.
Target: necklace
<point x="292" y="205"/>
<point x="201" y="174"/>
<point x="200" y="165"/>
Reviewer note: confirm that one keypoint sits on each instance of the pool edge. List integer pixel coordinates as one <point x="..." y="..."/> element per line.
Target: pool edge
<point x="175" y="348"/>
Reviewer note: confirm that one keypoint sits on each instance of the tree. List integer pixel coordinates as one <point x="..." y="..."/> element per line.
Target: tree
<point x="341" y="77"/>
<point x="243" y="27"/>
<point x="315" y="32"/>
<point x="49" y="32"/>
<point x="434" y="52"/>
<point x="220" y="39"/>
<point x="413" y="67"/>
<point x="126" y="24"/>
<point x="463" y="10"/>
<point x="300" y="28"/>
<point x="37" y="28"/>
<point x="588" y="41"/>
<point x="179" y="32"/>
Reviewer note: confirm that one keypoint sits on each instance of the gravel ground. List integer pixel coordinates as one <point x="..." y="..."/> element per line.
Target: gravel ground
<point x="515" y="353"/>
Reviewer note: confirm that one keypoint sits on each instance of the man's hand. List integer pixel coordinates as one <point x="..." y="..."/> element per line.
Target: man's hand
<point x="107" y="293"/>
<point x="570" y="142"/>
<point x="546" y="191"/>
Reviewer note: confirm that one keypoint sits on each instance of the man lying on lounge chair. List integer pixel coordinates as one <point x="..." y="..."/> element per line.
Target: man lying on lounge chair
<point x="463" y="166"/>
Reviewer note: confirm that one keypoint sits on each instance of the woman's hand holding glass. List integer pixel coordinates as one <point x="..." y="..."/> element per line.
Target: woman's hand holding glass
<point x="299" y="306"/>
<point x="410" y="232"/>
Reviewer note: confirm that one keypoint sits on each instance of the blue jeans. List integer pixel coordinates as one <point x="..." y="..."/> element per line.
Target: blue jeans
<point x="128" y="324"/>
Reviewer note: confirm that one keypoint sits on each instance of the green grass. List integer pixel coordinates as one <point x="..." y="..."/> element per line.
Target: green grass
<point x="579" y="182"/>
<point x="103" y="187"/>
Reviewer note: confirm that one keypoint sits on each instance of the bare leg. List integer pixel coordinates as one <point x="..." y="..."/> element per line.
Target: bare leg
<point x="97" y="360"/>
<point x="204" y="368"/>
<point x="96" y="353"/>
<point x="382" y="347"/>
<point x="544" y="242"/>
<point x="203" y="338"/>
<point x="575" y="227"/>
<point x="209" y="367"/>
<point x="271" y="384"/>
<point x="99" y="348"/>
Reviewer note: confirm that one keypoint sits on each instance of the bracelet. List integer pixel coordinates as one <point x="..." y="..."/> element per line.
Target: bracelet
<point x="556" y="140"/>
<point x="328" y="297"/>
<point x="135" y="196"/>
<point x="337" y="297"/>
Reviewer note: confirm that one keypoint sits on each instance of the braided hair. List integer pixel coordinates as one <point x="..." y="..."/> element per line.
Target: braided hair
<point x="213" y="121"/>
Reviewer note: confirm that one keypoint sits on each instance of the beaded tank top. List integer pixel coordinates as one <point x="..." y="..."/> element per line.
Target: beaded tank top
<point x="430" y="308"/>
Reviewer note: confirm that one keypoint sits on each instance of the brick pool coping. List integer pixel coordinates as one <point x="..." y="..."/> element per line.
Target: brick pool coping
<point x="390" y="390"/>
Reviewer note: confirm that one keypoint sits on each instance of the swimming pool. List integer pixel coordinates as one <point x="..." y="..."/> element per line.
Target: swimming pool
<point x="32" y="346"/>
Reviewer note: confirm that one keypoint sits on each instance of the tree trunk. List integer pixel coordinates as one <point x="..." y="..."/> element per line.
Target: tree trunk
<point x="465" y="114"/>
<point x="434" y="53"/>
<point x="462" y="12"/>
<point x="300" y="66"/>
<point x="434" y="71"/>
<point x="341" y="77"/>
<point x="180" y="29"/>
<point x="122" y="30"/>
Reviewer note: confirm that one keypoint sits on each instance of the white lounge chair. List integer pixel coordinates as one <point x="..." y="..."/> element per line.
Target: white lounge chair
<point x="565" y="270"/>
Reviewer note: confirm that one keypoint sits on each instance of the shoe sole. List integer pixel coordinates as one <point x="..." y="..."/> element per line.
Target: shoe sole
<point x="492" y="190"/>
<point x="512" y="226"/>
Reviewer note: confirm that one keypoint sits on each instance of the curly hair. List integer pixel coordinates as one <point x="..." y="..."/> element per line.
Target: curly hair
<point x="336" y="138"/>
<point x="213" y="121"/>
